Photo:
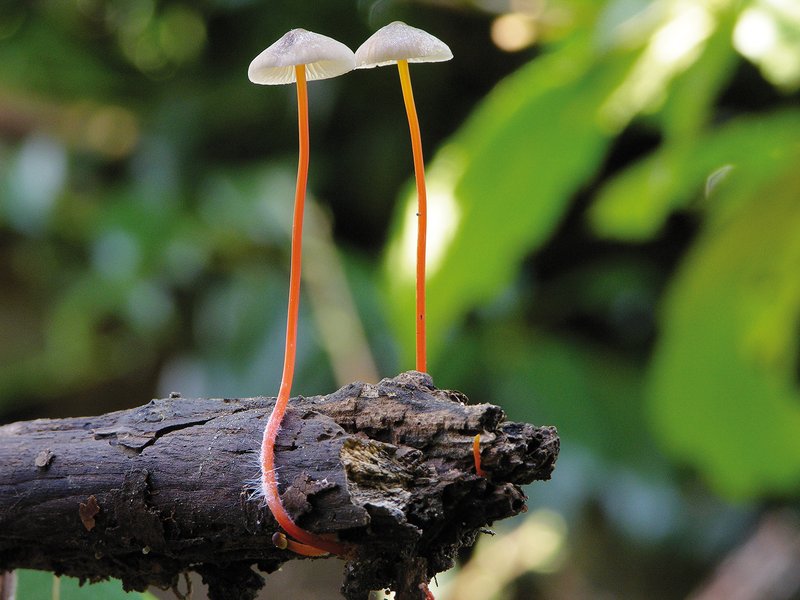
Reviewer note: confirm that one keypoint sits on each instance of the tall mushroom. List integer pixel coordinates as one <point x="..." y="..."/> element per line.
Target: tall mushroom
<point x="298" y="56"/>
<point x="400" y="44"/>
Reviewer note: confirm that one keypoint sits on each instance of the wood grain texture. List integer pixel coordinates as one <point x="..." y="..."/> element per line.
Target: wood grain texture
<point x="148" y="493"/>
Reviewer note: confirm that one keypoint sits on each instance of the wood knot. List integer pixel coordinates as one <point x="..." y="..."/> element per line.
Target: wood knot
<point x="88" y="511"/>
<point x="44" y="458"/>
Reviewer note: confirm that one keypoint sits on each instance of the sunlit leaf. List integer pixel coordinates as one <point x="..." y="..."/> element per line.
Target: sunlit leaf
<point x="768" y="33"/>
<point x="635" y="204"/>
<point x="690" y="103"/>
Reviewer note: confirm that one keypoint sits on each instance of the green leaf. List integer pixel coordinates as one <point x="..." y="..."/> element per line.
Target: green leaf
<point x="499" y="188"/>
<point x="634" y="205"/>
<point x="723" y="389"/>
<point x="40" y="584"/>
<point x="594" y="396"/>
<point x="689" y="105"/>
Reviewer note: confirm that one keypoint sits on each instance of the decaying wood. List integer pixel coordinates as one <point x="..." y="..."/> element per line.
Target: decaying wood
<point x="146" y="494"/>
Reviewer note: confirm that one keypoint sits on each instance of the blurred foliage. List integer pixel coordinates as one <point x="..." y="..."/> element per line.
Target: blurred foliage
<point x="614" y="240"/>
<point x="37" y="584"/>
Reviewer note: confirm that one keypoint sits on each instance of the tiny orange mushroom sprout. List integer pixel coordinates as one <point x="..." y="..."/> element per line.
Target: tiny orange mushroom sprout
<point x="297" y="57"/>
<point x="400" y="44"/>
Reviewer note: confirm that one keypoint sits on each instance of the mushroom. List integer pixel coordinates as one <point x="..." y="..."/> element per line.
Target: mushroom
<point x="298" y="56"/>
<point x="400" y="44"/>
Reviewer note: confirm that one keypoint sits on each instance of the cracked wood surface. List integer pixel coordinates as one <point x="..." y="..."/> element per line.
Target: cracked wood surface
<point x="148" y="493"/>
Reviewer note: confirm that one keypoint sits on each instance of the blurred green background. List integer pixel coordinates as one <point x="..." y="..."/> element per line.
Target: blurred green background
<point x="614" y="249"/>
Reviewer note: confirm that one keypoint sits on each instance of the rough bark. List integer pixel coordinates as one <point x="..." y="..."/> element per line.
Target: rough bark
<point x="146" y="494"/>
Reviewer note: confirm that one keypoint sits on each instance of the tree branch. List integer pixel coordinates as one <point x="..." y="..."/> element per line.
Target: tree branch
<point x="146" y="494"/>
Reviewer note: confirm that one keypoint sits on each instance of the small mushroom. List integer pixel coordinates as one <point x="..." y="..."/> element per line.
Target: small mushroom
<point x="476" y="455"/>
<point x="298" y="57"/>
<point x="323" y="57"/>
<point x="400" y="44"/>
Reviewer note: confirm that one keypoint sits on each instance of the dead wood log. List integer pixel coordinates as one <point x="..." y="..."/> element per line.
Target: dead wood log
<point x="149" y="493"/>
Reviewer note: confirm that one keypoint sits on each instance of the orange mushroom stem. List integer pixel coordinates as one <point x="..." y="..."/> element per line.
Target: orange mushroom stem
<point x="427" y="591"/>
<point x="422" y="211"/>
<point x="476" y="455"/>
<point x="269" y="481"/>
<point x="297" y="56"/>
<point x="401" y="44"/>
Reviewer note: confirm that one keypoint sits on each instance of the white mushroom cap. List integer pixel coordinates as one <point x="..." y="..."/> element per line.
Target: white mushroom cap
<point x="398" y="41"/>
<point x="323" y="57"/>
